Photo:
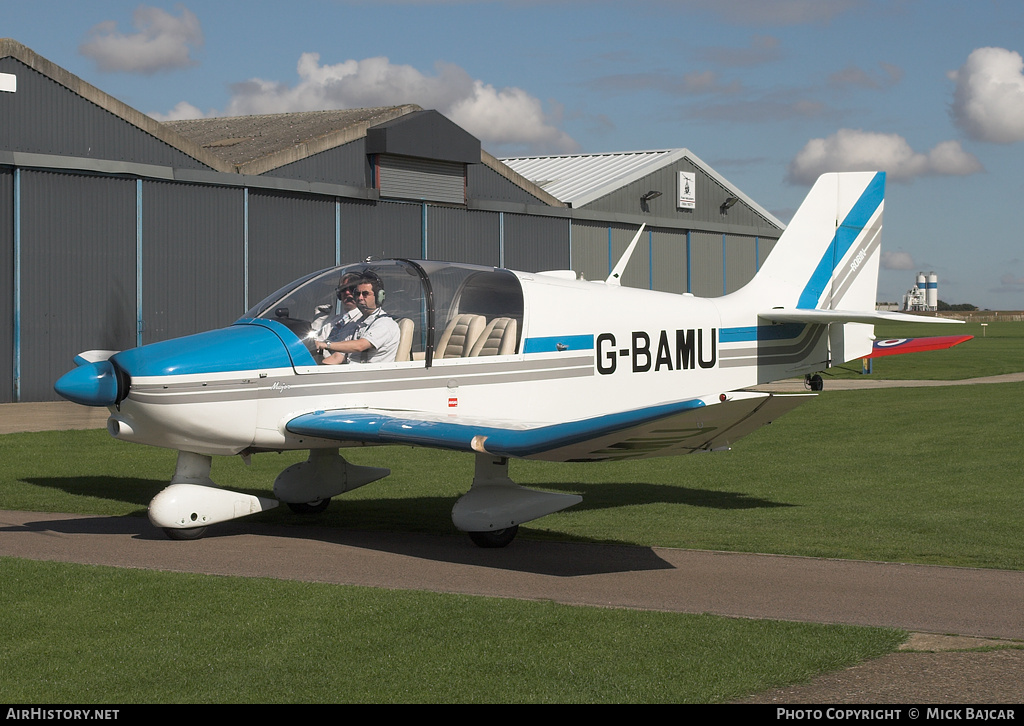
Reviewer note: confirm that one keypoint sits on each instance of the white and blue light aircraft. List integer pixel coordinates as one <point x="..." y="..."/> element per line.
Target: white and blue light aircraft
<point x="498" y="364"/>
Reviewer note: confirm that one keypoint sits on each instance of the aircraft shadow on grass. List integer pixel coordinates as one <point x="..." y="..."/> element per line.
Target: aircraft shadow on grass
<point x="595" y="496"/>
<point x="413" y="526"/>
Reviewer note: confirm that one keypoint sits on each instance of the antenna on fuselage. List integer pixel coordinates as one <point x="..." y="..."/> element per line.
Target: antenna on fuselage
<point x="615" y="277"/>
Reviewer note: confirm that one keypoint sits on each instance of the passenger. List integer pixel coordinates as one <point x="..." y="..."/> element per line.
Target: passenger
<point x="339" y="327"/>
<point x="374" y="337"/>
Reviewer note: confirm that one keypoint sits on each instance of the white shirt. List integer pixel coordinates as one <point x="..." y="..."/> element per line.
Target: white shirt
<point x="382" y="332"/>
<point x="341" y="327"/>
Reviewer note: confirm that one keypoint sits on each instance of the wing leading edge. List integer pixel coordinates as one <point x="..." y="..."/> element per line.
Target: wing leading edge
<point x="672" y="428"/>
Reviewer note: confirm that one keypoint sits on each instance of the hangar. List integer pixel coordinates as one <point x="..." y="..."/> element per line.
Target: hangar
<point x="117" y="230"/>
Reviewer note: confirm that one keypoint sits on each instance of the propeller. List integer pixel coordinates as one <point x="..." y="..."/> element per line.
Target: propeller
<point x="97" y="383"/>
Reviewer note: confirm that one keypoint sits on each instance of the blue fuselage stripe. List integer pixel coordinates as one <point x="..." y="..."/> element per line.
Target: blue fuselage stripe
<point x="559" y="343"/>
<point x="785" y="331"/>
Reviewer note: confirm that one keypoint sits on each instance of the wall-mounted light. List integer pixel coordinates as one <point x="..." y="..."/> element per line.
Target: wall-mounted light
<point x="653" y="194"/>
<point x="729" y="201"/>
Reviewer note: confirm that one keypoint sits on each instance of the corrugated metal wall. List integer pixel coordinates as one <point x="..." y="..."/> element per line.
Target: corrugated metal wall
<point x="7" y="286"/>
<point x="710" y="195"/>
<point x="289" y="236"/>
<point x="386" y="229"/>
<point x="706" y="264"/>
<point x="669" y="262"/>
<point x="193" y="258"/>
<point x="87" y="292"/>
<point x="740" y="256"/>
<point x="43" y="117"/>
<point x="590" y="256"/>
<point x="209" y="251"/>
<point x="486" y="183"/>
<point x="346" y="164"/>
<point x="534" y="244"/>
<point x="463" y="235"/>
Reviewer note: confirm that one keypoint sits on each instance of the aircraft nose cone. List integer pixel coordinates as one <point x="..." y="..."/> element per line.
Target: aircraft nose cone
<point x="93" y="384"/>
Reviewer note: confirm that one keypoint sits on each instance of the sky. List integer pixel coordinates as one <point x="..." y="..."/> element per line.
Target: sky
<point x="769" y="93"/>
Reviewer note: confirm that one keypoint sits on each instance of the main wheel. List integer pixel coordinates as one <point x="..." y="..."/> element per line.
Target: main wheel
<point x="309" y="507"/>
<point x="495" y="539"/>
<point x="184" y="534"/>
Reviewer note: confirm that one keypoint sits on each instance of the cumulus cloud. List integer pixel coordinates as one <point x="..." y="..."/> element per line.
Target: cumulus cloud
<point x="184" y="111"/>
<point x="988" y="102"/>
<point x="897" y="261"/>
<point x="161" y="42"/>
<point x="855" y="150"/>
<point x="505" y="119"/>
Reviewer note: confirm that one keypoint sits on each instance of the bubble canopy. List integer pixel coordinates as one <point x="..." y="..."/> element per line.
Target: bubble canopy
<point x="427" y="297"/>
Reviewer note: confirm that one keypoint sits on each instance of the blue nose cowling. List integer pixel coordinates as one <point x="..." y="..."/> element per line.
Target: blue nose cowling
<point x="92" y="384"/>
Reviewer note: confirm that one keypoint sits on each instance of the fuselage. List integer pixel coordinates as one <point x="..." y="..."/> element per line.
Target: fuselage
<point x="582" y="350"/>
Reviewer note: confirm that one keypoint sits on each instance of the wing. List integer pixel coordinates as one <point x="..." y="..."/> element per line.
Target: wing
<point x="898" y="346"/>
<point x="699" y="424"/>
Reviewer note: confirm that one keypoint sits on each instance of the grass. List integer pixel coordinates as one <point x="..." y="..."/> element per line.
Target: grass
<point x="126" y="636"/>
<point x="928" y="475"/>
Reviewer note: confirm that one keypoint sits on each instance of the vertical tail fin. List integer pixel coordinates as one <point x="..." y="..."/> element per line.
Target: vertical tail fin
<point x="828" y="256"/>
<point x="823" y="274"/>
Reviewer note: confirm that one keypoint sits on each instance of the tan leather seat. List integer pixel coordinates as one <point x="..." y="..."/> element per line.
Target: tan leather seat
<point x="406" y="329"/>
<point x="498" y="338"/>
<point x="460" y="336"/>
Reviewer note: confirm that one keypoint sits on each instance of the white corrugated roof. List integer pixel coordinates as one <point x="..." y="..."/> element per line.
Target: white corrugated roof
<point x="579" y="179"/>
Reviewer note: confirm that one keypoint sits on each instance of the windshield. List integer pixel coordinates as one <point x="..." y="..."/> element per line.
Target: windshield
<point x="443" y="310"/>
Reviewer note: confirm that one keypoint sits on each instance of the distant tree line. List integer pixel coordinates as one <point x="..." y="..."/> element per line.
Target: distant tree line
<point x="959" y="307"/>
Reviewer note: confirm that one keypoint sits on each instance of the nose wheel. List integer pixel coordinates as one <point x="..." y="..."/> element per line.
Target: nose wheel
<point x="182" y="535"/>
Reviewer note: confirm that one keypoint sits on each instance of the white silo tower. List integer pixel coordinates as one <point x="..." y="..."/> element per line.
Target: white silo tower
<point x="933" y="291"/>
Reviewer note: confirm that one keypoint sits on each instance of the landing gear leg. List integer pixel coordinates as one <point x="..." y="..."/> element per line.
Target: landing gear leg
<point x="494" y="507"/>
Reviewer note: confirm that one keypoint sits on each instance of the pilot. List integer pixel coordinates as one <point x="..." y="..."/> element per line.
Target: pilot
<point x="375" y="336"/>
<point x="339" y="327"/>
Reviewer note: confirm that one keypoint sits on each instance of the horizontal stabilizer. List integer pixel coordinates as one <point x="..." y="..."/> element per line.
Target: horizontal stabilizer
<point x="898" y="346"/>
<point x="818" y="316"/>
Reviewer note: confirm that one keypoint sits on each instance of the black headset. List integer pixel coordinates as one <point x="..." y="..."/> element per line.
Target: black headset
<point x="360" y="278"/>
